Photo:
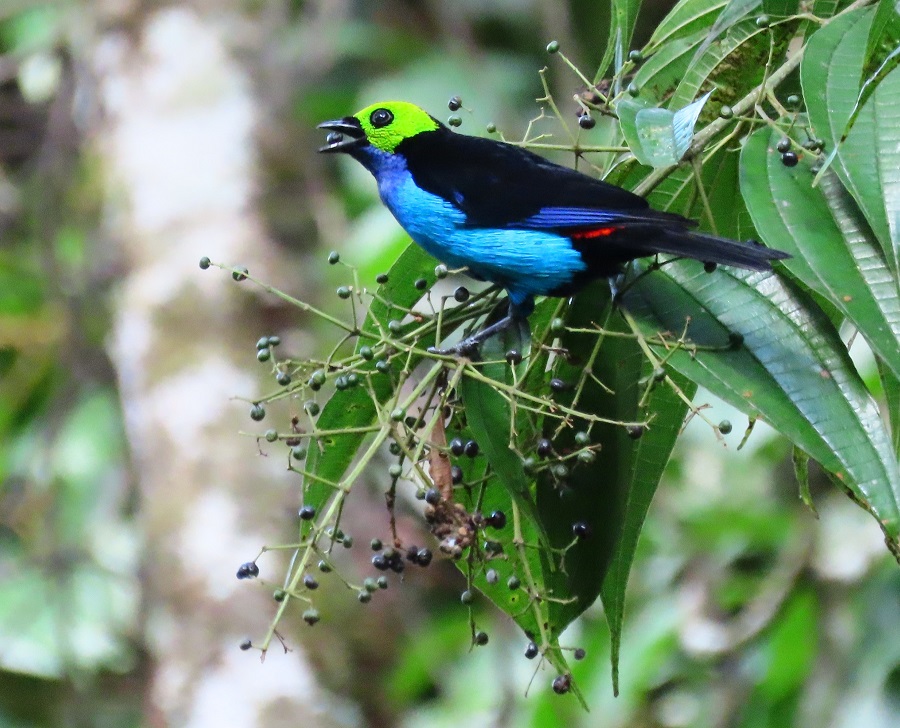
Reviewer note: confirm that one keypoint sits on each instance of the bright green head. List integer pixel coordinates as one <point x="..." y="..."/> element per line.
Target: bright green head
<point x="390" y="122"/>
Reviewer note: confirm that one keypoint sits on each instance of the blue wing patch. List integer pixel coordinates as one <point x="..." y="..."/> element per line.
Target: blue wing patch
<point x="561" y="218"/>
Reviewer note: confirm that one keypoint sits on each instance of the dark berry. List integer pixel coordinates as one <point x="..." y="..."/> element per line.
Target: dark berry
<point x="366" y="353"/>
<point x="633" y="90"/>
<point x="513" y="583"/>
<point x="307" y="513"/>
<point x="709" y="266"/>
<point x="375" y="544"/>
<point x="544" y="447"/>
<point x="283" y="378"/>
<point x="481" y="638"/>
<point x="467" y="597"/>
<point x="424" y="557"/>
<point x="581" y="529"/>
<point x="456" y="474"/>
<point x="380" y="563"/>
<point x="205" y="263"/>
<point x="334" y="257"/>
<point x="725" y="427"/>
<point x="513" y="357"/>
<point x="562" y="684"/>
<point x="364" y="597"/>
<point x="311" y="616"/>
<point x="579" y="653"/>
<point x="784" y="145"/>
<point x="557" y="325"/>
<point x="324" y="566"/>
<point x="246" y="645"/>
<point x="531" y="651"/>
<point x="383" y="366"/>
<point x="497" y="520"/>
<point x="789" y="159"/>
<point x="421" y="284"/>
<point x="558" y="385"/>
<point x="310" y="582"/>
<point x="312" y="408"/>
<point x="635" y="432"/>
<point x="457" y="446"/>
<point x="432" y="496"/>
<point x="343" y="292"/>
<point x="248" y="571"/>
<point x="586" y="121"/>
<point x="240" y="274"/>
<point x="454" y="103"/>
<point x="461" y="294"/>
<point x="257" y="412"/>
<point x="394" y="448"/>
<point x="471" y="448"/>
<point x="394" y="326"/>
<point x="381" y="278"/>
<point x="553" y="46"/>
<point x="763" y="21"/>
<point x="792" y="101"/>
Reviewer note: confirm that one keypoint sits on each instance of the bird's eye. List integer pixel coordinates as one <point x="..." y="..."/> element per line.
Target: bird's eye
<point x="381" y="117"/>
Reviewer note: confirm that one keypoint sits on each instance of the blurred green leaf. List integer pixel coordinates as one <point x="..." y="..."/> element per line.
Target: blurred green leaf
<point x="686" y="18"/>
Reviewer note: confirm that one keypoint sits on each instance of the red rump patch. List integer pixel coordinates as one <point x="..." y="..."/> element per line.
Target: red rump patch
<point x="595" y="233"/>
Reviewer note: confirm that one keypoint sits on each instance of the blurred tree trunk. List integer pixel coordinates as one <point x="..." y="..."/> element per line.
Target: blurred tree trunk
<point x="177" y="141"/>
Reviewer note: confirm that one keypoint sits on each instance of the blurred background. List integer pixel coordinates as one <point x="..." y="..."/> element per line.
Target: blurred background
<point x="136" y="137"/>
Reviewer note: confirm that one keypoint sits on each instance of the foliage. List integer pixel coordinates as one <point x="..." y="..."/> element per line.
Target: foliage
<point x="575" y="419"/>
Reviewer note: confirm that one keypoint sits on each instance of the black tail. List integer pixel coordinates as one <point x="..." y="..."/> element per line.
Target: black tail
<point x="711" y="249"/>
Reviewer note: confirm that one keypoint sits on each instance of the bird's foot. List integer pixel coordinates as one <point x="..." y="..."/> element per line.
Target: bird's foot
<point x="469" y="346"/>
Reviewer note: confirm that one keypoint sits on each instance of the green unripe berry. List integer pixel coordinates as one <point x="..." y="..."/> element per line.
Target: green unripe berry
<point x="311" y="616"/>
<point x="257" y="412"/>
<point x="557" y="325"/>
<point x="636" y="57"/>
<point x="726" y="112"/>
<point x="793" y="101"/>
<point x="283" y="378"/>
<point x="398" y="414"/>
<point x="725" y="427"/>
<point x="467" y="597"/>
<point x="263" y="355"/>
<point x="440" y="271"/>
<point x="383" y="366"/>
<point x="586" y="456"/>
<point x="763" y="21"/>
<point x="513" y="583"/>
<point x="318" y="377"/>
<point x="240" y="274"/>
<point x="582" y="438"/>
<point x="395" y="471"/>
<point x="343" y="292"/>
<point x="454" y="120"/>
<point x="298" y="452"/>
<point x="271" y="435"/>
<point x="633" y="90"/>
<point x="334" y="257"/>
<point x="553" y="46"/>
<point x="312" y="408"/>
<point x="394" y="326"/>
<point x="491" y="128"/>
<point x="366" y="353"/>
<point x="205" y="263"/>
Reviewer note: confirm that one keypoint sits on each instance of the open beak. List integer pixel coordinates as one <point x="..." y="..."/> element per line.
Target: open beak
<point x="339" y="129"/>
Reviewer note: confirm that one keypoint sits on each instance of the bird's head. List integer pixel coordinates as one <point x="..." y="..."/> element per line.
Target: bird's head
<point x="380" y="127"/>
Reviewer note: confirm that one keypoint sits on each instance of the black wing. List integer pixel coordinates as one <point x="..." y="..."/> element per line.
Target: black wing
<point x="502" y="185"/>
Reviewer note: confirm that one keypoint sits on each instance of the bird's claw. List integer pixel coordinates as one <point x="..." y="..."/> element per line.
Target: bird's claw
<point x="465" y="348"/>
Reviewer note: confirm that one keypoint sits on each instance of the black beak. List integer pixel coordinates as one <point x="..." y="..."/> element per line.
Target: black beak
<point x="339" y="128"/>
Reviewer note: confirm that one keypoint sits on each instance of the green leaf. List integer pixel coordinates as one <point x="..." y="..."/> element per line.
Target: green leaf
<point x="709" y="56"/>
<point x="659" y="137"/>
<point x="621" y="28"/>
<point x="835" y="253"/>
<point x="780" y="8"/>
<point x="830" y="75"/>
<point x="662" y="72"/>
<point x="686" y="18"/>
<point x="883" y="40"/>
<point x="791" y="369"/>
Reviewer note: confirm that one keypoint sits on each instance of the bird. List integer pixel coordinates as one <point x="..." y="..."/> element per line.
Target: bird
<point x="512" y="217"/>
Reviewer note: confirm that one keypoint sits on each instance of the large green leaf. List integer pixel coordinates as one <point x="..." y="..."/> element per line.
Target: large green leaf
<point x="864" y="160"/>
<point x="621" y="28"/>
<point x="835" y="253"/>
<point x="772" y="353"/>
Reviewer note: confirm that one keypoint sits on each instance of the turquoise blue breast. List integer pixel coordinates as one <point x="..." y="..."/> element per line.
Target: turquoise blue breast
<point x="525" y="262"/>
